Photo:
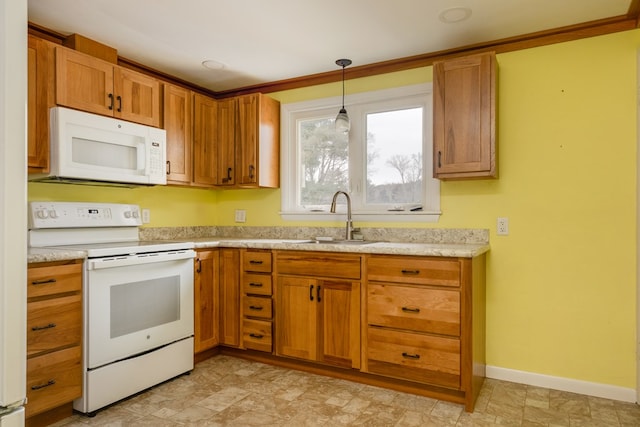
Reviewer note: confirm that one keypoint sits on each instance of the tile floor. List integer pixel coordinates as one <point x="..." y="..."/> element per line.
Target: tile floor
<point x="226" y="391"/>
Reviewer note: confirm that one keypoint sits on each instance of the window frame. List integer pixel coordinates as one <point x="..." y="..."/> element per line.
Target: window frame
<point x="358" y="105"/>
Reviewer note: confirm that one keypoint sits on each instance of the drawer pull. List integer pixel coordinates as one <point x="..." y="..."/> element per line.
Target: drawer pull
<point x="40" y="328"/>
<point x="410" y="271"/>
<point x="256" y="307"/>
<point x="43" y="282"/>
<point x="255" y="261"/>
<point x="39" y="386"/>
<point x="257" y="336"/>
<point x="255" y="285"/>
<point x="411" y="356"/>
<point x="410" y="310"/>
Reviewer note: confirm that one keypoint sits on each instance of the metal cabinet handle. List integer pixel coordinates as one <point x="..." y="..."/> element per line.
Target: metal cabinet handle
<point x="439" y="159"/>
<point x="255" y="285"/>
<point x="40" y="328"/>
<point x="310" y="292"/>
<point x="410" y="310"/>
<point x="110" y="101"/>
<point x="410" y="271"/>
<point x="199" y="268"/>
<point x="43" y="282"/>
<point x="252" y="170"/>
<point x="39" y="386"/>
<point x="255" y="261"/>
<point x="318" y="293"/>
<point x="258" y="336"/>
<point x="256" y="307"/>
<point x="228" y="178"/>
<point x="411" y="356"/>
<point x="168" y="167"/>
<point x="119" y="98"/>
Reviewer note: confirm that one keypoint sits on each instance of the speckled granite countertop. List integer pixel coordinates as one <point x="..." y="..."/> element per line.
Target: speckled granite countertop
<point x="465" y="243"/>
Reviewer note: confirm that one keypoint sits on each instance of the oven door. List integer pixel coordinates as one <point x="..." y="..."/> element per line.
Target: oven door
<point x="136" y="303"/>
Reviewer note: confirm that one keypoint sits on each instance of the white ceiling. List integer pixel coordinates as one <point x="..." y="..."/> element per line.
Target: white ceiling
<point x="261" y="41"/>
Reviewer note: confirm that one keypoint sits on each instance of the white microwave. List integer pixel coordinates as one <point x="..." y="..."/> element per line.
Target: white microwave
<point x="87" y="147"/>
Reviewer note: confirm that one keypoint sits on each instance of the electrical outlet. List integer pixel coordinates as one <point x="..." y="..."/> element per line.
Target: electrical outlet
<point x="502" y="227"/>
<point x="241" y="215"/>
<point x="146" y="216"/>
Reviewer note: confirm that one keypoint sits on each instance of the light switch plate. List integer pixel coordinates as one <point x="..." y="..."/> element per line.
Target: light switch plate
<point x="241" y="215"/>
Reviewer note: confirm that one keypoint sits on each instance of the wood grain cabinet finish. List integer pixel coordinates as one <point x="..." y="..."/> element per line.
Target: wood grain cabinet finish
<point x="40" y="83"/>
<point x="54" y="337"/>
<point x="96" y="86"/>
<point x="205" y="141"/>
<point x="464" y="117"/>
<point x="257" y="300"/>
<point x="318" y="307"/>
<point x="206" y="300"/>
<point x="230" y="309"/>
<point x="426" y="322"/>
<point x="177" y="115"/>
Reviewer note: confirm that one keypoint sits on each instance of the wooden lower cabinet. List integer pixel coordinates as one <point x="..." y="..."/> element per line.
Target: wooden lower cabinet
<point x="318" y="318"/>
<point x="230" y="297"/>
<point x="206" y="304"/>
<point x="257" y="300"/>
<point x="426" y="322"/>
<point x="54" y="340"/>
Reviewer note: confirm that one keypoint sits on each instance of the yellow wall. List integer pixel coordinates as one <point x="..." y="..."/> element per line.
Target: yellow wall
<point x="562" y="286"/>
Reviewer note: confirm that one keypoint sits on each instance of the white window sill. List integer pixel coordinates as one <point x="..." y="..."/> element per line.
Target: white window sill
<point x="403" y="216"/>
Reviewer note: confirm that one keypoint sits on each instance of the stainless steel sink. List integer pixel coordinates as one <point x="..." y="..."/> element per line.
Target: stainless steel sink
<point x="339" y="242"/>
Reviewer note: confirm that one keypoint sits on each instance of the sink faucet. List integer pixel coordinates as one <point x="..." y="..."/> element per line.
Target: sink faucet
<point x="349" y="230"/>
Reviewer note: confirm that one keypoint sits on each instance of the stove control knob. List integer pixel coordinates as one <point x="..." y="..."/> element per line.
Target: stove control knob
<point x="127" y="214"/>
<point x="135" y="214"/>
<point x="42" y="214"/>
<point x="53" y="214"/>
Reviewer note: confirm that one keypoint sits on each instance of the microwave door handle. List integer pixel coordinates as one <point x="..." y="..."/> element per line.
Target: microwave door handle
<point x="144" y="157"/>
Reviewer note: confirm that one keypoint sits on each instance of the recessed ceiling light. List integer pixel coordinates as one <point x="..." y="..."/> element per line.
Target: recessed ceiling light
<point x="454" y="14"/>
<point x="213" y="65"/>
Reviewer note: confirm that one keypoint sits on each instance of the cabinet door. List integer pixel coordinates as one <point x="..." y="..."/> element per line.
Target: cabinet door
<point x="137" y="97"/>
<point x="206" y="304"/>
<point x="40" y="77"/>
<point x="339" y="304"/>
<point x="258" y="142"/>
<point x="464" y="92"/>
<point x="178" y="116"/>
<point x="205" y="170"/>
<point x="84" y="82"/>
<point x="227" y="109"/>
<point x="296" y="317"/>
<point x="230" y="297"/>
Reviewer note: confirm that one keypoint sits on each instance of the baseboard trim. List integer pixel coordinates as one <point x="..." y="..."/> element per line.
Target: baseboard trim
<point x="564" y="384"/>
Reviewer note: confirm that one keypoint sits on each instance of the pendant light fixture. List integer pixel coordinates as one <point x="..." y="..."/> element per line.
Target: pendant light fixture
<point x="342" y="120"/>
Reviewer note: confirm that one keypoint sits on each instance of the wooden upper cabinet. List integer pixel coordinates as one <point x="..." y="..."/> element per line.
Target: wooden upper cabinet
<point x="464" y="117"/>
<point x="40" y="87"/>
<point x="205" y="140"/>
<point x="227" y="119"/>
<point x="258" y="142"/>
<point x="97" y="86"/>
<point x="178" y="123"/>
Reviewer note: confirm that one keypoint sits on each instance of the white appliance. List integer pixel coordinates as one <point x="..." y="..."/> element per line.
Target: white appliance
<point x="88" y="147"/>
<point x="137" y="298"/>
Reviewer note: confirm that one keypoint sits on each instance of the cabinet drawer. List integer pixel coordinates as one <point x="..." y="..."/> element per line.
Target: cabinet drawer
<point x="54" y="279"/>
<point x="256" y="335"/>
<point x="413" y="356"/>
<point x="53" y="379"/>
<point x="414" y="308"/>
<point x="53" y="323"/>
<point x="319" y="264"/>
<point x="256" y="261"/>
<point x="418" y="270"/>
<point x="257" y="307"/>
<point x="257" y="284"/>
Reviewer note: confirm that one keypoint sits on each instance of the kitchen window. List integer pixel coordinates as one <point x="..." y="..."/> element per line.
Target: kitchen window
<point x="384" y="162"/>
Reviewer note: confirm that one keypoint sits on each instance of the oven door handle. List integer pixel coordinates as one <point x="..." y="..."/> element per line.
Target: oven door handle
<point x="128" y="260"/>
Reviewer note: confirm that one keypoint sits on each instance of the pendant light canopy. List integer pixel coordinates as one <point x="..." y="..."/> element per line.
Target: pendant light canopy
<point x="342" y="120"/>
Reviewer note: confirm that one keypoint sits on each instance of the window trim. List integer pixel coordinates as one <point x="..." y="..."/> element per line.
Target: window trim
<point x="290" y="158"/>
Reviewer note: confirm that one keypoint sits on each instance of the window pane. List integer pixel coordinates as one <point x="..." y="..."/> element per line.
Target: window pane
<point x="394" y="157"/>
<point x="325" y="161"/>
